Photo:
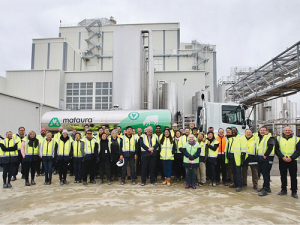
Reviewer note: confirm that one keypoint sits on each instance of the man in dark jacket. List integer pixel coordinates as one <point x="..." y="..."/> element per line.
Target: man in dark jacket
<point x="149" y="144"/>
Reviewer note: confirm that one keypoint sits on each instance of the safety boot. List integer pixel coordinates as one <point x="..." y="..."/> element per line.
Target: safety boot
<point x="165" y="182"/>
<point x="169" y="182"/>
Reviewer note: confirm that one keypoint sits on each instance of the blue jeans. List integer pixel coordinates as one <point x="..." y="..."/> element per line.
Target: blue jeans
<point x="77" y="170"/>
<point x="167" y="165"/>
<point x="190" y="176"/>
<point x="48" y="169"/>
<point x="124" y="168"/>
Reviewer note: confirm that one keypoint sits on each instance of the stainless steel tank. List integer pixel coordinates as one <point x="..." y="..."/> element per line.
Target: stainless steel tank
<point x="202" y="96"/>
<point x="170" y="99"/>
<point x="293" y="114"/>
<point x="127" y="68"/>
<point x="95" y="119"/>
<point x="194" y="107"/>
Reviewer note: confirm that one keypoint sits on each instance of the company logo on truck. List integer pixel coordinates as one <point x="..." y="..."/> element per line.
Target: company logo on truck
<point x="54" y="122"/>
<point x="78" y="120"/>
<point x="151" y="119"/>
<point x="133" y="115"/>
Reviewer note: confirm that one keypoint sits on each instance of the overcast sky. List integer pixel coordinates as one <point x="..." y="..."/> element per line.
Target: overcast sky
<point x="247" y="33"/>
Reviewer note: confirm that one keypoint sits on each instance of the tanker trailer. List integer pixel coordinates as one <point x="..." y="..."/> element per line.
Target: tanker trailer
<point x="112" y="118"/>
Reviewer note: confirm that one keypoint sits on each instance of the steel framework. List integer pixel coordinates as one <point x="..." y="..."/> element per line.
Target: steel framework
<point x="277" y="78"/>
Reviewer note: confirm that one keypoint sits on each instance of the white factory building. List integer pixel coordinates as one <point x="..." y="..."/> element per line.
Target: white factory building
<point x="87" y="64"/>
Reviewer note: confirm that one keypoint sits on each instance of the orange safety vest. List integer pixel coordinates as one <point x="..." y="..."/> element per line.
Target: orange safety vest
<point x="222" y="144"/>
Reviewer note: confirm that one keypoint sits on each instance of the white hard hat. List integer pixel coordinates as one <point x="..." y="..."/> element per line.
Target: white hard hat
<point x="120" y="163"/>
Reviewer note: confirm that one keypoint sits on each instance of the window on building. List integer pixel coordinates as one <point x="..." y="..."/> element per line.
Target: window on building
<point x="88" y="96"/>
<point x="158" y="64"/>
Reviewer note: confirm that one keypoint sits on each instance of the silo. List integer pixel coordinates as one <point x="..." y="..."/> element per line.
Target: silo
<point x="202" y="96"/>
<point x="127" y="67"/>
<point x="170" y="99"/>
<point x="293" y="114"/>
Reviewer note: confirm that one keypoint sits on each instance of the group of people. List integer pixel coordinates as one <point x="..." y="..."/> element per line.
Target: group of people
<point x="185" y="153"/>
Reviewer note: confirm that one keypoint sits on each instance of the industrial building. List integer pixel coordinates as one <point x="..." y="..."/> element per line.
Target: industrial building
<point x="97" y="63"/>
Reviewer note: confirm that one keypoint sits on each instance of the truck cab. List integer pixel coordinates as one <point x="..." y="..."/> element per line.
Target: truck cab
<point x="221" y="115"/>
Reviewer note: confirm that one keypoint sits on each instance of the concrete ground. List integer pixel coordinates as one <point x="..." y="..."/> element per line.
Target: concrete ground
<point x="75" y="203"/>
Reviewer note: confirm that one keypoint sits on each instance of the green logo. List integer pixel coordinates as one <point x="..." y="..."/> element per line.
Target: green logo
<point x="133" y="115"/>
<point x="54" y="122"/>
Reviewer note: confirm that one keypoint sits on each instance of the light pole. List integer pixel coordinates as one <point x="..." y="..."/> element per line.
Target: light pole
<point x="184" y="80"/>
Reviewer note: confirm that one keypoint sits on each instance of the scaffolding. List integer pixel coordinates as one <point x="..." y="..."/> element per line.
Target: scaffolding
<point x="277" y="78"/>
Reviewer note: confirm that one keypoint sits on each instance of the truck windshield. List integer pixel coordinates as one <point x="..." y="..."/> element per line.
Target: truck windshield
<point x="232" y="114"/>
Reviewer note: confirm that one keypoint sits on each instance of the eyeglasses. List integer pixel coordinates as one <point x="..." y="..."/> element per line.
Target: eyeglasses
<point x="88" y="133"/>
<point x="21" y="130"/>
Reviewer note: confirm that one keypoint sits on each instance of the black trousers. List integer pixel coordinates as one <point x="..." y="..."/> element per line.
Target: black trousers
<point x="179" y="170"/>
<point x="104" y="165"/>
<point x="221" y="168"/>
<point x="40" y="167"/>
<point x="147" y="162"/>
<point x="284" y="167"/>
<point x="265" y="168"/>
<point x="16" y="169"/>
<point x="237" y="173"/>
<point x="114" y="168"/>
<point x="8" y="170"/>
<point x="88" y="167"/>
<point x="62" y="169"/>
<point x="29" y="166"/>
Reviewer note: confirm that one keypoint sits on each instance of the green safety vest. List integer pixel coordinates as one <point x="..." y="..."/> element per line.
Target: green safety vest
<point x="262" y="145"/>
<point x="202" y="146"/>
<point x="287" y="147"/>
<point x="47" y="148"/>
<point x="166" y="150"/>
<point x="191" y="149"/>
<point x="19" y="140"/>
<point x="234" y="146"/>
<point x="76" y="149"/>
<point x="248" y="146"/>
<point x="183" y="139"/>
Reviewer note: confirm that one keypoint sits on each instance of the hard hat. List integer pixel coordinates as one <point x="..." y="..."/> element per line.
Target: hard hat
<point x="120" y="163"/>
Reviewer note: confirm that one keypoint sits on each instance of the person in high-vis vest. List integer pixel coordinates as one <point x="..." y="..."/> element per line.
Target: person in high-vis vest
<point x="105" y="159"/>
<point x="40" y="166"/>
<point x="8" y="158"/>
<point x="221" y="166"/>
<point x="174" y="128"/>
<point x="30" y="150"/>
<point x="179" y="170"/>
<point x="159" y="166"/>
<point x="77" y="147"/>
<point x="57" y="137"/>
<point x="168" y="148"/>
<point x="128" y="154"/>
<point x="288" y="151"/>
<point x="195" y="132"/>
<point x="114" y="144"/>
<point x="265" y="148"/>
<point x="248" y="145"/>
<point x="201" y="170"/>
<point x="191" y="151"/>
<point x="212" y="146"/>
<point x="63" y="158"/>
<point x="149" y="150"/>
<point x="233" y="158"/>
<point x="48" y="147"/>
<point x="19" y="138"/>
<point x="184" y="138"/>
<point x="90" y="157"/>
<point x="137" y="137"/>
<point x="229" y="174"/>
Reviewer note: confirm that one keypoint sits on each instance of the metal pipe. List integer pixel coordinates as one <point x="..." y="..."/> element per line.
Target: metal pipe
<point x="158" y="84"/>
<point x="183" y="125"/>
<point x="150" y="69"/>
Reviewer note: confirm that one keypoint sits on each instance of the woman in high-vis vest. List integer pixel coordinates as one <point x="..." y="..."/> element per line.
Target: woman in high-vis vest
<point x="8" y="158"/>
<point x="47" y="149"/>
<point x="178" y="158"/>
<point x="30" y="151"/>
<point x="168" y="148"/>
<point x="105" y="159"/>
<point x="191" y="150"/>
<point x="114" y="144"/>
<point x="76" y="153"/>
<point x="212" y="146"/>
<point x="63" y="156"/>
<point x="201" y="170"/>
